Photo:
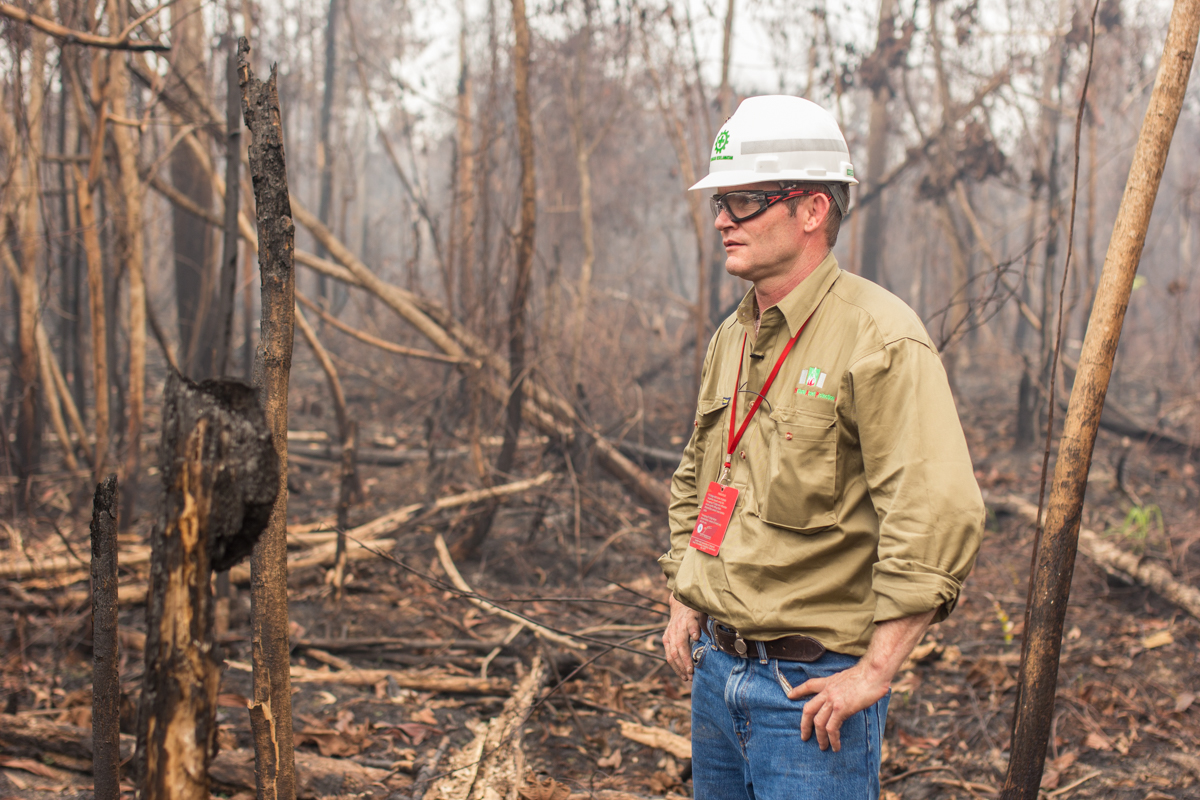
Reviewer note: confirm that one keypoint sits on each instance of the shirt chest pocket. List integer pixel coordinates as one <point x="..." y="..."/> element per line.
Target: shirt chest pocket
<point x="709" y="439"/>
<point x="801" y="491"/>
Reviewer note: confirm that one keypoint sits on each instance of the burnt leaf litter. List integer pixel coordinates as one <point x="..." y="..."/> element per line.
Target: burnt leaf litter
<point x="614" y="723"/>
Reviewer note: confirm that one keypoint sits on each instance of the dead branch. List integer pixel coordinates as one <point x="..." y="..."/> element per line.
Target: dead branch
<point x="658" y="738"/>
<point x="367" y="534"/>
<point x="455" y="684"/>
<point x="457" y="580"/>
<point x="382" y="344"/>
<point x="69" y="36"/>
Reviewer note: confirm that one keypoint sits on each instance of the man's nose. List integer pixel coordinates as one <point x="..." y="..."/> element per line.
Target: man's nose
<point x="723" y="220"/>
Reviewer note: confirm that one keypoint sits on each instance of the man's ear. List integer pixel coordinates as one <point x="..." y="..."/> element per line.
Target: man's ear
<point x="815" y="220"/>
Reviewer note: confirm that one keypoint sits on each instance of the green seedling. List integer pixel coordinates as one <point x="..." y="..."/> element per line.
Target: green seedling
<point x="1138" y="523"/>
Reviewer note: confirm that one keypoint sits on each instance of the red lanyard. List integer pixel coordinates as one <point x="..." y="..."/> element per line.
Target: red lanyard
<point x="736" y="436"/>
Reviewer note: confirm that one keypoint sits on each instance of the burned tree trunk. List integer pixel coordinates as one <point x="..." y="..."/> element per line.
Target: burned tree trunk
<point x="106" y="683"/>
<point x="1050" y="583"/>
<point x="220" y="478"/>
<point x="271" y="709"/>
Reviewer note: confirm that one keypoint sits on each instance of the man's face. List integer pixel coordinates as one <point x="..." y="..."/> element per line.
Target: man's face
<point x="770" y="244"/>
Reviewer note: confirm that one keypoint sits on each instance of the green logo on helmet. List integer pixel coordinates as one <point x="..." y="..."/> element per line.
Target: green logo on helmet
<point x="721" y="143"/>
<point x="850" y="172"/>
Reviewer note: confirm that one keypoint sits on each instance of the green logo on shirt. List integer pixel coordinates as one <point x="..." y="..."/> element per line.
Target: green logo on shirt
<point x="812" y="380"/>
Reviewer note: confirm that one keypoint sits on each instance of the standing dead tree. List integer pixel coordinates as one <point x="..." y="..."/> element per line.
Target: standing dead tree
<point x="220" y="480"/>
<point x="271" y="709"/>
<point x="524" y="265"/>
<point x="106" y="682"/>
<point x="1050" y="583"/>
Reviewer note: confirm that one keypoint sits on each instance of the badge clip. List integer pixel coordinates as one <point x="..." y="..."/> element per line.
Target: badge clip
<point x="726" y="478"/>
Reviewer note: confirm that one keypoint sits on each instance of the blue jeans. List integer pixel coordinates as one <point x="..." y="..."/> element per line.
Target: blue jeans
<point x="746" y="732"/>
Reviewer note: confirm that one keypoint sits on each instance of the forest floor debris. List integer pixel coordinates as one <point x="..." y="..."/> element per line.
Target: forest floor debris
<point x="409" y="678"/>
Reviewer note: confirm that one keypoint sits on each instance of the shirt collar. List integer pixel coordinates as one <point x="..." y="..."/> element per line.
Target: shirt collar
<point x="800" y="302"/>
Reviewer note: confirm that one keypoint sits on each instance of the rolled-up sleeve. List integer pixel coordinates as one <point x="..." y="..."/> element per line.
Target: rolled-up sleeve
<point x="685" y="504"/>
<point x="920" y="477"/>
<point x="682" y="512"/>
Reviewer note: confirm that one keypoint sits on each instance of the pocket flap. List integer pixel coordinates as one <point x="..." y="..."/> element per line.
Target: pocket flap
<point x="708" y="409"/>
<point x="802" y="424"/>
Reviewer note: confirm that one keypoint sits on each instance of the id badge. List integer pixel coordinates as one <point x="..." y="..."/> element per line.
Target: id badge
<point x="713" y="521"/>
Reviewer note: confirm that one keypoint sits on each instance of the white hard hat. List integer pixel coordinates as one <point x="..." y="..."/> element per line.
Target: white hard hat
<point x="780" y="138"/>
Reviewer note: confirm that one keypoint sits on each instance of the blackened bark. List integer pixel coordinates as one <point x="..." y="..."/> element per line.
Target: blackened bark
<point x="271" y="709"/>
<point x="220" y="478"/>
<point x="106" y="683"/>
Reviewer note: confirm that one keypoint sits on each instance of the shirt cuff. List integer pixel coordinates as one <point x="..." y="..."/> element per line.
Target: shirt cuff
<point x="670" y="568"/>
<point x="910" y="588"/>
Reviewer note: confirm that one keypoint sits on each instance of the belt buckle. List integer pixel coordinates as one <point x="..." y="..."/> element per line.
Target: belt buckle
<point x="739" y="644"/>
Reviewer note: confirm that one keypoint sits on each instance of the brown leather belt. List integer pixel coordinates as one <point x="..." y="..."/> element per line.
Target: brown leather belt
<point x="787" y="648"/>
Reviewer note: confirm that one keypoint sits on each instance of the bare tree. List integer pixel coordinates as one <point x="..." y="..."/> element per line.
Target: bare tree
<point x="271" y="709"/>
<point x="524" y="247"/>
<point x="1050" y="582"/>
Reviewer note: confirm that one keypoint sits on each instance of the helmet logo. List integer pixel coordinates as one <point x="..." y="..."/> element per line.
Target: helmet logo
<point x="719" y="146"/>
<point x="850" y="172"/>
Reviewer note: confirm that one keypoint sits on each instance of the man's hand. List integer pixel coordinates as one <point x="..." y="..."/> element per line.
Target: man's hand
<point x="682" y="630"/>
<point x="844" y="694"/>
<point x="838" y="697"/>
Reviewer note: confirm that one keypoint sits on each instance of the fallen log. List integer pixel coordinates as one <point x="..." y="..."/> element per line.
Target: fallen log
<point x="493" y="759"/>
<point x="658" y="738"/>
<point x="1115" y="561"/>
<point x="317" y="776"/>
<point x="392" y="520"/>
<point x="451" y="684"/>
<point x="21" y="568"/>
<point x="383" y="643"/>
<point x="34" y="737"/>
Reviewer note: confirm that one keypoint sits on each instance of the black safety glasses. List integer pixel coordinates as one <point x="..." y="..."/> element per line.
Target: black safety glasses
<point x="743" y="205"/>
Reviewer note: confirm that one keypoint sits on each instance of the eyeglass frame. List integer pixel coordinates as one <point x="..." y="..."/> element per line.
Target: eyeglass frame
<point x="767" y="197"/>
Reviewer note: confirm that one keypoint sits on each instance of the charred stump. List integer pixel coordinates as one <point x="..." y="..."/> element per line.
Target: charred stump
<point x="220" y="477"/>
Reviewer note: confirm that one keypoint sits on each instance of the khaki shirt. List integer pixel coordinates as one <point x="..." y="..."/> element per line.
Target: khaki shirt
<point x="858" y="503"/>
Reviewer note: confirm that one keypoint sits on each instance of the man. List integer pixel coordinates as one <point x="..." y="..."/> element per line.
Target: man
<point x="825" y="510"/>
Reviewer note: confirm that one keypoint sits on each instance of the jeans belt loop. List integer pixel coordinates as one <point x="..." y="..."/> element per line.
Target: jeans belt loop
<point x="762" y="653"/>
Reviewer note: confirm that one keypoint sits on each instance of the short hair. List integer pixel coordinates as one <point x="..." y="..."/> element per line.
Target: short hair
<point x="833" y="220"/>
